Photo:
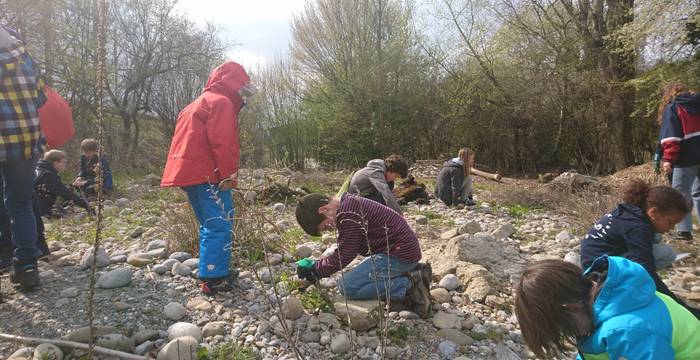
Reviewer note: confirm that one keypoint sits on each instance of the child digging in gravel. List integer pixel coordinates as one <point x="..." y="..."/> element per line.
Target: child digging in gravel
<point x="629" y="230"/>
<point x="611" y="311"/>
<point x="367" y="228"/>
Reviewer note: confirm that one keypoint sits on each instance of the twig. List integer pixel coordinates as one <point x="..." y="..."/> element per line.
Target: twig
<point x="71" y="344"/>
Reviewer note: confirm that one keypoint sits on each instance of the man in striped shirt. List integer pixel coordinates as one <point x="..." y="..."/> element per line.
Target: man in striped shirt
<point x="367" y="228"/>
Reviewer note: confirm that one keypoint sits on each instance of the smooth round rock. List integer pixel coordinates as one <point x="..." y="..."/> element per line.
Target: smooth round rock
<point x="174" y="311"/>
<point x="115" y="279"/>
<point x="450" y="282"/>
<point x="183" y="348"/>
<point x="184" y="329"/>
<point x="180" y="256"/>
<point x="47" y="351"/>
<point x="181" y="269"/>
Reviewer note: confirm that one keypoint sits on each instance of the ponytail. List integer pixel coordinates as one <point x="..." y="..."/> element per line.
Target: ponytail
<point x="645" y="196"/>
<point x="464" y="154"/>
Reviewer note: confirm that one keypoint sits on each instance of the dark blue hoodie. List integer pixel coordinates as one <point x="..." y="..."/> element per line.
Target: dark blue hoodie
<point x="626" y="231"/>
<point x="680" y="131"/>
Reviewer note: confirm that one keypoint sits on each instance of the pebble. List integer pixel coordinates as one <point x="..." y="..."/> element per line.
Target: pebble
<point x="47" y="351"/>
<point x="116" y="278"/>
<point x="441" y="295"/>
<point x="116" y="342"/>
<point x="303" y="251"/>
<point x="292" y="308"/>
<point x="174" y="311"/>
<point x="448" y="348"/>
<point x="340" y="344"/>
<point x="200" y="304"/>
<point x="181" y="269"/>
<point x="139" y="260"/>
<point x="102" y="258"/>
<point x="450" y="282"/>
<point x="156" y="244"/>
<point x="192" y="263"/>
<point x="145" y="347"/>
<point x="180" y="256"/>
<point x="214" y="328"/>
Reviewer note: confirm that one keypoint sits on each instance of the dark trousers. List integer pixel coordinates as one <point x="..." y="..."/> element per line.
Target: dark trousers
<point x="16" y="184"/>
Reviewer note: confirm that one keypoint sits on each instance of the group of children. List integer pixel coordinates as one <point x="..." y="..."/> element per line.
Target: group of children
<point x="48" y="188"/>
<point x="619" y="308"/>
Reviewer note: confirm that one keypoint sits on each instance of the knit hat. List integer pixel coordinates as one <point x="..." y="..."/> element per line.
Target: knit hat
<point x="307" y="213"/>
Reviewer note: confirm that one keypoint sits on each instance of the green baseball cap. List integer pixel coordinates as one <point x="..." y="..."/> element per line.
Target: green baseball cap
<point x="307" y="212"/>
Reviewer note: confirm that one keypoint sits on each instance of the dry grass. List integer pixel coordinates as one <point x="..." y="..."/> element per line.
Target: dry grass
<point x="183" y="229"/>
<point x="583" y="207"/>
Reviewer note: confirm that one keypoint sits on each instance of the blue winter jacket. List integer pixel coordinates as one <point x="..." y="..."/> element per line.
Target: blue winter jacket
<point x="633" y="321"/>
<point x="680" y="131"/>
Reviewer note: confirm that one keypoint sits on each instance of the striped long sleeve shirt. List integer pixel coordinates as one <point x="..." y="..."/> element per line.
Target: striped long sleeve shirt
<point x="21" y="95"/>
<point x="367" y="227"/>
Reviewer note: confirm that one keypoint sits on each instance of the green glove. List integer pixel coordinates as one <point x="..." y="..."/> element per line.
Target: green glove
<point x="306" y="269"/>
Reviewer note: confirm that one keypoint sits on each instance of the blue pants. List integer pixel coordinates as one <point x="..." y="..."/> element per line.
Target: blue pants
<point x="687" y="181"/>
<point x="362" y="282"/>
<point x="214" y="211"/>
<point x="17" y="181"/>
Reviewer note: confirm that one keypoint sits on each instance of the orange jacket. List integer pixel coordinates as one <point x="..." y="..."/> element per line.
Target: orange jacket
<point x="205" y="146"/>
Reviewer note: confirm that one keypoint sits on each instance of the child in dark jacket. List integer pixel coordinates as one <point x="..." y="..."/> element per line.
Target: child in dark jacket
<point x="454" y="181"/>
<point x="48" y="186"/>
<point x="88" y="169"/>
<point x="629" y="229"/>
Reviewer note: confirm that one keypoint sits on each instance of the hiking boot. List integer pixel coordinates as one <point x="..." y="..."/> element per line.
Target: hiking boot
<point x="419" y="293"/>
<point x="470" y="201"/>
<point x="684" y="235"/>
<point x="211" y="287"/>
<point x="26" y="274"/>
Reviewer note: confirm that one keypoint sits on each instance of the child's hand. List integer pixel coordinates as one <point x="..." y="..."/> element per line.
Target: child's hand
<point x="229" y="183"/>
<point x="79" y="182"/>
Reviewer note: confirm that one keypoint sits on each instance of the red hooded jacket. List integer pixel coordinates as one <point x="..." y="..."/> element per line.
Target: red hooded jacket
<point x="205" y="147"/>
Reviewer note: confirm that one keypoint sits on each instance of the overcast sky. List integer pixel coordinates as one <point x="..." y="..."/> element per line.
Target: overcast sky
<point x="260" y="27"/>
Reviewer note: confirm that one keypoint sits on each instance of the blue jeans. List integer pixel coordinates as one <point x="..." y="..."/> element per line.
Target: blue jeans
<point x="16" y="179"/>
<point x="362" y="282"/>
<point x="687" y="181"/>
<point x="214" y="211"/>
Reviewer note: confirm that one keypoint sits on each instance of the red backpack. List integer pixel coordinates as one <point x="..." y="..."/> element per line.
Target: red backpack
<point x="56" y="119"/>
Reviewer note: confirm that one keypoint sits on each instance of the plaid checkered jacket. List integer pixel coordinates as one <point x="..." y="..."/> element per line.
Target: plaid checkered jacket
<point x="21" y="95"/>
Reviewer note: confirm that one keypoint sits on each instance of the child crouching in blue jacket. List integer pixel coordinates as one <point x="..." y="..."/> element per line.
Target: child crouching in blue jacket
<point x="611" y="311"/>
<point x="629" y="230"/>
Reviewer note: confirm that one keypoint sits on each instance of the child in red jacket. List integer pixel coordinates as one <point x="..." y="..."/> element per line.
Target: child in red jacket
<point x="203" y="161"/>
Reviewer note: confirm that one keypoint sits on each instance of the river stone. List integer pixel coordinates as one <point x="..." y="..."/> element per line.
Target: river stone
<point x="192" y="263"/>
<point x="181" y="269"/>
<point x="443" y="320"/>
<point x="214" y="328"/>
<point x="146" y="334"/>
<point x="102" y="258"/>
<point x="455" y="336"/>
<point x="303" y="251"/>
<point x="139" y="260"/>
<point x="174" y="311"/>
<point x="180" y="256"/>
<point x="116" y="342"/>
<point x="441" y="295"/>
<point x="184" y="329"/>
<point x="47" y="351"/>
<point x="156" y="244"/>
<point x="364" y="314"/>
<point x="182" y="348"/>
<point x="450" y="282"/>
<point x="340" y="344"/>
<point x="114" y="279"/>
<point x="82" y="335"/>
<point x="200" y="304"/>
<point x="23" y="353"/>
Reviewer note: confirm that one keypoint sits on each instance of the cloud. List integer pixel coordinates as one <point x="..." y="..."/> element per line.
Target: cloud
<point x="260" y="29"/>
